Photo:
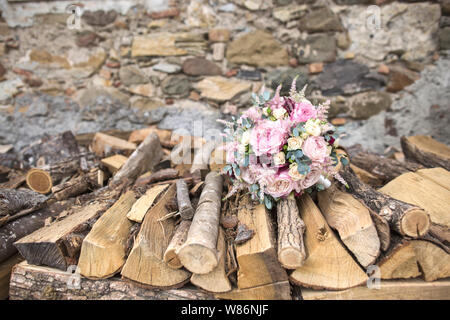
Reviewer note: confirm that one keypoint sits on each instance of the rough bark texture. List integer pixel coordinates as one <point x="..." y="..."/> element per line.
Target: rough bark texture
<point x="184" y="203"/>
<point x="178" y="239"/>
<point x="77" y="186"/>
<point x="405" y="218"/>
<point x="161" y="175"/>
<point x="291" y="247"/>
<point x="427" y="151"/>
<point x="147" y="154"/>
<point x="42" y="283"/>
<point x="199" y="254"/>
<point x="13" y="201"/>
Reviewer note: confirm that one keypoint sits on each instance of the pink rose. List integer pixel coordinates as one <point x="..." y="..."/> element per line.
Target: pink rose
<point x="315" y="148"/>
<point x="269" y="136"/>
<point x="281" y="186"/>
<point x="253" y="113"/>
<point x="230" y="148"/>
<point x="303" y="111"/>
<point x="251" y="173"/>
<point x="311" y="178"/>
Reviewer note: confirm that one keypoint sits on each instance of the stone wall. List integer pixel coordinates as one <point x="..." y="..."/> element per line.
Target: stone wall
<point x="383" y="64"/>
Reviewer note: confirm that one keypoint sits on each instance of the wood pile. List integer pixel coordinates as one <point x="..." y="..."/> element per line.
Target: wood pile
<point x="120" y="214"/>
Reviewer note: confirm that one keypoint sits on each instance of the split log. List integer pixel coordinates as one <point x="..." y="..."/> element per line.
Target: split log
<point x="367" y="177"/>
<point x="199" y="254"/>
<point x="148" y="154"/>
<point x="202" y="156"/>
<point x="12" y="200"/>
<point x="412" y="289"/>
<point x="103" y="250"/>
<point x="39" y="180"/>
<point x="48" y="246"/>
<point x="144" y="203"/>
<point x="328" y="265"/>
<point x="216" y="280"/>
<point x="422" y="192"/>
<point x="114" y="163"/>
<point x="437" y="175"/>
<point x="353" y="222"/>
<point x="104" y="145"/>
<point x="5" y="274"/>
<point x="291" y="247"/>
<point x="165" y="136"/>
<point x="161" y="175"/>
<point x="427" y="151"/>
<point x="434" y="262"/>
<point x="19" y="228"/>
<point x="77" y="186"/>
<point x="272" y="291"/>
<point x="178" y="239"/>
<point x="405" y="218"/>
<point x="145" y="264"/>
<point x="257" y="258"/>
<point x="184" y="203"/>
<point x="399" y="261"/>
<point x="30" y="282"/>
<point x="85" y="139"/>
<point x="383" y="230"/>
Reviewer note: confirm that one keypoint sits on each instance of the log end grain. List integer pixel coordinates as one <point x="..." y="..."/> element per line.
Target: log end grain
<point x="39" y="180"/>
<point x="198" y="259"/>
<point x="415" y="223"/>
<point x="291" y="258"/>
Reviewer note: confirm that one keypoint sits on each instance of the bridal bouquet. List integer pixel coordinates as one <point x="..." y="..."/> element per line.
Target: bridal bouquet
<point x="281" y="146"/>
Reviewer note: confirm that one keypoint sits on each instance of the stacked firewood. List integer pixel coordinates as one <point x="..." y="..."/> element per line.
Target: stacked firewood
<point x="123" y="207"/>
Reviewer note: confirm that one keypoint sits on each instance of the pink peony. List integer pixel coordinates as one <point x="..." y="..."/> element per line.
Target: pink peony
<point x="281" y="186"/>
<point x="230" y="148"/>
<point x="303" y="111"/>
<point x="268" y="137"/>
<point x="315" y="148"/>
<point x="311" y="178"/>
<point x="253" y="113"/>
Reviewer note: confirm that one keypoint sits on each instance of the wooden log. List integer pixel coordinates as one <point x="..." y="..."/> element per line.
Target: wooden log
<point x="184" y="203"/>
<point x="202" y="156"/>
<point x="291" y="247"/>
<point x="434" y="262"/>
<point x="328" y="265"/>
<point x="422" y="192"/>
<point x="30" y="282"/>
<point x="426" y="150"/>
<point x="47" y="246"/>
<point x="114" y="163"/>
<point x="383" y="230"/>
<point x="161" y="175"/>
<point x="5" y="274"/>
<point x="103" y="250"/>
<point x="353" y="222"/>
<point x="178" y="239"/>
<point x="399" y="261"/>
<point x="367" y="177"/>
<point x="144" y="203"/>
<point x="148" y="154"/>
<point x="218" y="159"/>
<point x="85" y="139"/>
<point x="413" y="289"/>
<point x="77" y="186"/>
<point x="39" y="180"/>
<point x="405" y="218"/>
<point x="165" y="136"/>
<point x="199" y="254"/>
<point x="272" y="291"/>
<point x="257" y="258"/>
<point x="439" y="176"/>
<point x="216" y="280"/>
<point x="145" y="264"/>
<point x="12" y="200"/>
<point x="104" y="145"/>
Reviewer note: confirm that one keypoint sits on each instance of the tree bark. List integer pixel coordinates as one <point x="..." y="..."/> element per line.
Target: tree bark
<point x="199" y="254"/>
<point x="291" y="247"/>
<point x="184" y="203"/>
<point x="405" y="218"/>
<point x="427" y="151"/>
<point x="77" y="186"/>
<point x="13" y="201"/>
<point x="178" y="239"/>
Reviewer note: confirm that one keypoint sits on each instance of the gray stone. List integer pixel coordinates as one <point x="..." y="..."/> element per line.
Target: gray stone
<point x="38" y="108"/>
<point x="201" y="67"/>
<point x="167" y="67"/>
<point x="321" y="20"/>
<point x="315" y="48"/>
<point x="229" y="7"/>
<point x="179" y="86"/>
<point x="367" y="104"/>
<point x="284" y="76"/>
<point x="249" y="75"/>
<point x="444" y="38"/>
<point x="282" y="2"/>
<point x="288" y="13"/>
<point x="8" y="89"/>
<point x="99" y="18"/>
<point x="131" y="75"/>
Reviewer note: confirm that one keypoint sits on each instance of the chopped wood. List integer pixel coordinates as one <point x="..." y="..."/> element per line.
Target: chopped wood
<point x="291" y="247"/>
<point x="182" y="157"/>
<point x="199" y="254"/>
<point x="328" y="265"/>
<point x="178" y="239"/>
<point x="39" y="180"/>
<point x="257" y="258"/>
<point x="77" y="186"/>
<point x="216" y="280"/>
<point x="197" y="189"/>
<point x="218" y="159"/>
<point x="165" y="136"/>
<point x="272" y="291"/>
<point x="145" y="264"/>
<point x="43" y="283"/>
<point x="103" y="250"/>
<point x="184" y="203"/>
<point x="13" y="201"/>
<point x="367" y="177"/>
<point x="405" y="218"/>
<point x="165" y="163"/>
<point x="161" y="175"/>
<point x="47" y="246"/>
<point x="243" y="234"/>
<point x="426" y="150"/>
<point x="85" y="139"/>
<point x="104" y="145"/>
<point x="5" y="274"/>
<point x="434" y="262"/>
<point x="144" y="203"/>
<point x="422" y="192"/>
<point x="202" y="156"/>
<point x="383" y="230"/>
<point x="352" y="221"/>
<point x="114" y="163"/>
<point x="147" y="155"/>
<point x="437" y="175"/>
<point x="411" y="289"/>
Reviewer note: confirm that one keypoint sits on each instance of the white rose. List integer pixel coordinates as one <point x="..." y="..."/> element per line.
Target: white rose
<point x="279" y="113"/>
<point x="266" y="111"/>
<point x="241" y="148"/>
<point x="294" y="174"/>
<point x="294" y="143"/>
<point x="313" y="128"/>
<point x="279" y="159"/>
<point x="304" y="135"/>
<point x="245" y="137"/>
